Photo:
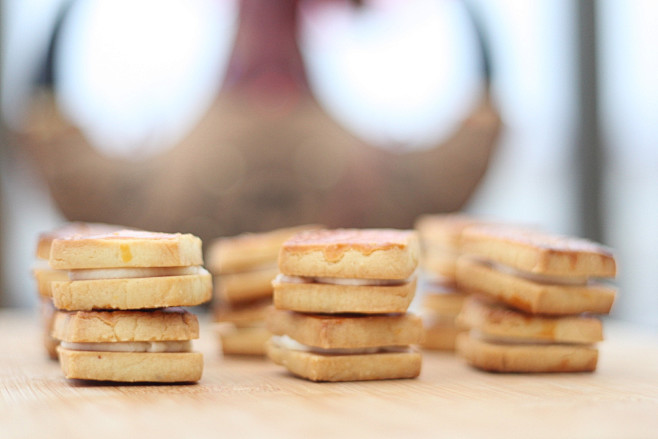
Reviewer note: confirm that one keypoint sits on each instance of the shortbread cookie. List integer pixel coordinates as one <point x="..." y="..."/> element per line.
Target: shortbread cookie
<point x="250" y="250"/>
<point x="440" y="334"/>
<point x="155" y="367"/>
<point x="170" y="324"/>
<point x="337" y="331"/>
<point x="134" y="293"/>
<point x="531" y="296"/>
<point x="536" y="252"/>
<point x="243" y="340"/>
<point x="126" y="248"/>
<point x="129" y="346"/>
<point x="243" y="315"/>
<point x="525" y="358"/>
<point x="317" y="366"/>
<point x="497" y="321"/>
<point x="246" y="286"/>
<point x="305" y="295"/>
<point x="351" y="253"/>
<point x="447" y="304"/>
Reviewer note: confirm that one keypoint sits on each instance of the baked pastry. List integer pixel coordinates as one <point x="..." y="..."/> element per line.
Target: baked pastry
<point x="129" y="346"/>
<point x="129" y="269"/>
<point x="341" y="300"/>
<point x="538" y="293"/>
<point x="122" y="295"/>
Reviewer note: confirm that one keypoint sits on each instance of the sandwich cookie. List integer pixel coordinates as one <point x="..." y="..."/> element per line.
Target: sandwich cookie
<point x="341" y="299"/>
<point x="547" y="284"/>
<point x="440" y="236"/>
<point x="244" y="267"/>
<point x="502" y="339"/>
<point x="129" y="269"/>
<point x="536" y="272"/>
<point x="129" y="346"/>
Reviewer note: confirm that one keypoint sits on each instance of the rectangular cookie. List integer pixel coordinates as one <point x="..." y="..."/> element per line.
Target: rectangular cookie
<point x="337" y="331"/>
<point x="536" y="252"/>
<point x="243" y="340"/>
<point x="393" y="364"/>
<point x="531" y="296"/>
<point x="497" y="321"/>
<point x="526" y="358"/>
<point x="129" y="346"/>
<point x="303" y="295"/>
<point x="351" y="253"/>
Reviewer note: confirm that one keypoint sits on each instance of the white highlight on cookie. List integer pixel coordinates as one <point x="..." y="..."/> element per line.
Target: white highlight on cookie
<point x="285" y="342"/>
<point x="131" y="346"/>
<point x="281" y="278"/>
<point x="541" y="278"/>
<point x="132" y="273"/>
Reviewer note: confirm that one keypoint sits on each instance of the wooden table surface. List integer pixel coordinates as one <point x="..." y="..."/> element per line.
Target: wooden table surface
<point x="242" y="397"/>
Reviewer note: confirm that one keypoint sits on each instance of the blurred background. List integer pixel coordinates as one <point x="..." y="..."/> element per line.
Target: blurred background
<point x="193" y="115"/>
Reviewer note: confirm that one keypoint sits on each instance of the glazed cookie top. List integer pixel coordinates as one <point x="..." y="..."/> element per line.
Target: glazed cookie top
<point x="534" y="251"/>
<point x="351" y="253"/>
<point x="126" y="248"/>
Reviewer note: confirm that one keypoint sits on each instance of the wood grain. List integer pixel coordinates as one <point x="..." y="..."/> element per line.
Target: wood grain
<point x="242" y="397"/>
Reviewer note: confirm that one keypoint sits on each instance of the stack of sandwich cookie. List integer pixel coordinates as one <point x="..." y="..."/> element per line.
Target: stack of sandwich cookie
<point x="109" y="324"/>
<point x="341" y="304"/>
<point x="507" y="340"/>
<point x="547" y="283"/>
<point x="440" y="236"/>
<point x="244" y="267"/>
<point x="150" y="346"/>
<point x="44" y="275"/>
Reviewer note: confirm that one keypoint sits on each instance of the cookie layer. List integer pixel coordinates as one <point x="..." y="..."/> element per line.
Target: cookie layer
<point x="322" y="367"/>
<point x="351" y="253"/>
<point x="131" y="367"/>
<point x="536" y="252"/>
<point x="249" y="250"/>
<point x="533" y="297"/>
<point x="497" y="320"/>
<point x="137" y="293"/>
<point x="244" y="340"/>
<point x="440" y="335"/>
<point x="45" y="277"/>
<point x="335" y="331"/>
<point x="325" y="298"/>
<point x="126" y="248"/>
<point x="171" y="324"/>
<point x="242" y="315"/>
<point x="444" y="304"/>
<point x="246" y="286"/>
<point x="498" y="357"/>
<point x="67" y="230"/>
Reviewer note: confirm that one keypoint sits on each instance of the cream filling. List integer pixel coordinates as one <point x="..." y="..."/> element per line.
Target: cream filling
<point x="131" y="273"/>
<point x="541" y="278"/>
<point x="342" y="281"/>
<point x="131" y="346"/>
<point x="285" y="342"/>
<point x="501" y="339"/>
